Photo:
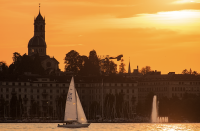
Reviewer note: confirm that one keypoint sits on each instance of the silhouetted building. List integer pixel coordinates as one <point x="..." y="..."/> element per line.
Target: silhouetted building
<point x="49" y="94"/>
<point x="169" y="85"/>
<point x="135" y="75"/>
<point x="37" y="45"/>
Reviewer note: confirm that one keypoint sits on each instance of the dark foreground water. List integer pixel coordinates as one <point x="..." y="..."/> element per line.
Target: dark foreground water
<point x="102" y="127"/>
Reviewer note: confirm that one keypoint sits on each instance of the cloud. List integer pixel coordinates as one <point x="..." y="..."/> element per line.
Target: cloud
<point x="140" y="38"/>
<point x="66" y="45"/>
<point x="82" y="8"/>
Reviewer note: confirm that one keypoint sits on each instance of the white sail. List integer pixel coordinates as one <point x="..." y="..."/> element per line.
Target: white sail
<point x="81" y="114"/>
<point x="71" y="105"/>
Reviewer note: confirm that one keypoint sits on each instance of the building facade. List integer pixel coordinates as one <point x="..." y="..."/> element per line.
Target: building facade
<point x="48" y="94"/>
<point x="169" y="85"/>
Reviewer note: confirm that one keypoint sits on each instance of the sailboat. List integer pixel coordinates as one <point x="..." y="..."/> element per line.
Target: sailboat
<point x="74" y="114"/>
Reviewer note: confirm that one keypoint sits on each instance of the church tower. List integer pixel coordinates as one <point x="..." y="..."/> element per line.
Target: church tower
<point x="37" y="43"/>
<point x="39" y="26"/>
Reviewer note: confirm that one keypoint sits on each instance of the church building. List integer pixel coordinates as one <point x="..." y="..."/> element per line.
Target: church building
<point x="37" y="45"/>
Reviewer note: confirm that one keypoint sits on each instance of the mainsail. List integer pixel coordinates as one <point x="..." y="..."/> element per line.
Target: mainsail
<point x="71" y="105"/>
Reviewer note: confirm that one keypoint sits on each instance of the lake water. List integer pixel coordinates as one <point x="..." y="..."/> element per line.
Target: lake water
<point x="102" y="127"/>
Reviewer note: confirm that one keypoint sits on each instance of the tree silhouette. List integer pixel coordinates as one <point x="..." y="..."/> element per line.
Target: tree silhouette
<point x="122" y="67"/>
<point x="14" y="106"/>
<point x="94" y="110"/>
<point x="108" y="67"/>
<point x="185" y="71"/>
<point x="4" y="68"/>
<point x="73" y="62"/>
<point x="83" y="65"/>
<point x="2" y="107"/>
<point x="16" y="57"/>
<point x="37" y="67"/>
<point x="94" y="63"/>
<point x="25" y="65"/>
<point x="148" y="103"/>
<point x="145" y="70"/>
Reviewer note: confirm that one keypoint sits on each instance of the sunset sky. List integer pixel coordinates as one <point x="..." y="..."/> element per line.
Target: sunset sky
<point x="163" y="34"/>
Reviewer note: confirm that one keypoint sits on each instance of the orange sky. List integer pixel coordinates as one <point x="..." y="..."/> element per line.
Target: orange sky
<point x="163" y="34"/>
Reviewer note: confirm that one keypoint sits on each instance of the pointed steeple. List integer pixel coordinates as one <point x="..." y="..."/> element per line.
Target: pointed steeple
<point x="39" y="17"/>
<point x="129" y="67"/>
<point x="39" y="25"/>
<point x="39" y="8"/>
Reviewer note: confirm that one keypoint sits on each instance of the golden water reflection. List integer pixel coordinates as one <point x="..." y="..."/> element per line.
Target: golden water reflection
<point x="102" y="127"/>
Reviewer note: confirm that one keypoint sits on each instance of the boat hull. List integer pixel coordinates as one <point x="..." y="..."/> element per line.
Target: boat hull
<point x="74" y="125"/>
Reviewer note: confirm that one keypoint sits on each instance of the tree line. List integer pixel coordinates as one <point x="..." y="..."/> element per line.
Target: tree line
<point x="22" y="64"/>
<point x="92" y="65"/>
<point x="74" y="63"/>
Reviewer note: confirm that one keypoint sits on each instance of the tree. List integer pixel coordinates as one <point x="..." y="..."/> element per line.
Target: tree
<point x="163" y="106"/>
<point x="185" y="71"/>
<point x="148" y="103"/>
<point x="72" y="62"/>
<point x="35" y="108"/>
<point x="122" y="67"/>
<point x="37" y="67"/>
<point x="4" y="68"/>
<point x="145" y="70"/>
<point x="194" y="73"/>
<point x="25" y="65"/>
<point x="94" y="110"/>
<point x="16" y="57"/>
<point x="92" y="64"/>
<point x="2" y="107"/>
<point x="83" y="62"/>
<point x="16" y="61"/>
<point x="119" y="98"/>
<point x="108" y="67"/>
<point x="14" y="106"/>
<point x="133" y="100"/>
<point x="112" y="67"/>
<point x="3" y="65"/>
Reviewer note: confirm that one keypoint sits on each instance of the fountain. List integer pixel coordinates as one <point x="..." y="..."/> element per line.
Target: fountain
<point x="154" y="114"/>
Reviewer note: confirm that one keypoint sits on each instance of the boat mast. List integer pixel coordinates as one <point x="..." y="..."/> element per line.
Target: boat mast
<point x="76" y="100"/>
<point x="102" y="100"/>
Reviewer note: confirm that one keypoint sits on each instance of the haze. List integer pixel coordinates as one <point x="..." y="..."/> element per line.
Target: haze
<point x="163" y="34"/>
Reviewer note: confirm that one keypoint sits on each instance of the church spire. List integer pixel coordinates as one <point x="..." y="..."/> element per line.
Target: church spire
<point x="39" y="8"/>
<point x="129" y="67"/>
<point x="39" y="25"/>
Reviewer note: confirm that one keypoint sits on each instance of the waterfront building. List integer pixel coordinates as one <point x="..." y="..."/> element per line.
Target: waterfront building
<point x="45" y="96"/>
<point x="169" y="85"/>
